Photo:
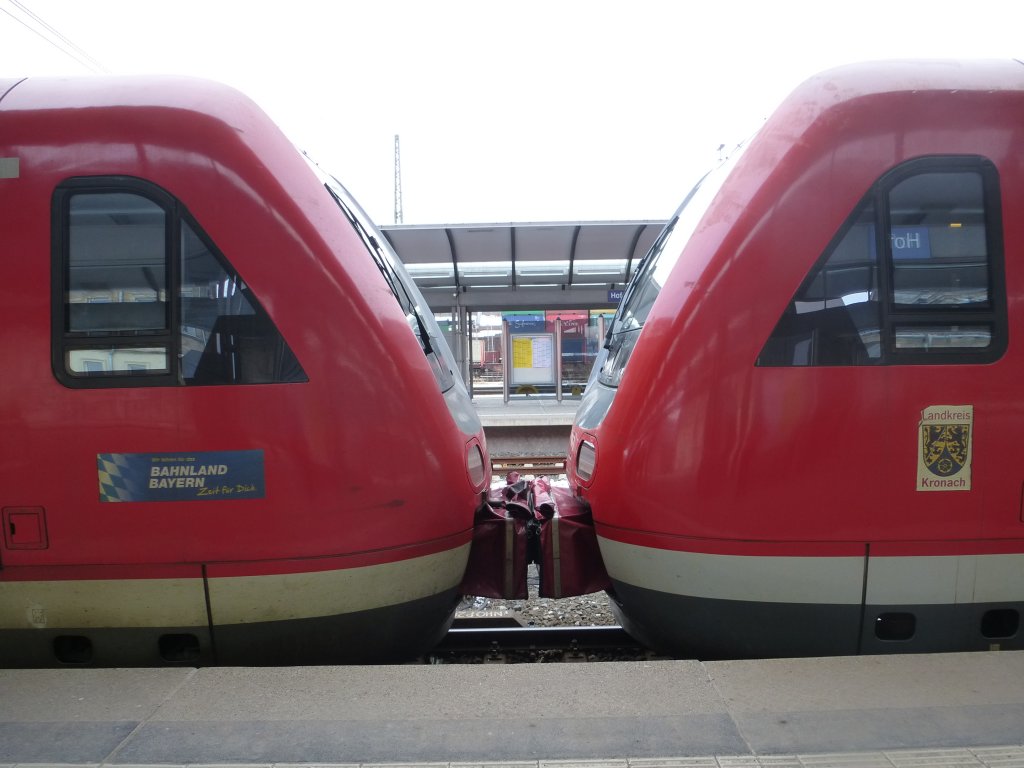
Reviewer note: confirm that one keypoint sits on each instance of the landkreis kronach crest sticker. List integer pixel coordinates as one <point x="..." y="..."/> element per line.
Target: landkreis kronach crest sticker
<point x="944" y="448"/>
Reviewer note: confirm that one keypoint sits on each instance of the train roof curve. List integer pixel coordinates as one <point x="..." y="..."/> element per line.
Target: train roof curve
<point x="918" y="77"/>
<point x="916" y="99"/>
<point x="884" y="76"/>
<point x="167" y="91"/>
<point x="858" y="100"/>
<point x="192" y="114"/>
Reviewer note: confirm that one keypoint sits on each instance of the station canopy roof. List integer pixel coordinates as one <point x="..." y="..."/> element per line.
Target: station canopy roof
<point x="522" y="266"/>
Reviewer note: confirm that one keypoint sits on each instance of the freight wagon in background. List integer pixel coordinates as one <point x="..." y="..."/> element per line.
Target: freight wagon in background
<point x="805" y="437"/>
<point x="579" y="344"/>
<point x="206" y="454"/>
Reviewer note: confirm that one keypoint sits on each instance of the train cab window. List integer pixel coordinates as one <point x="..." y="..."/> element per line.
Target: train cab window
<point x="914" y="276"/>
<point x="142" y="298"/>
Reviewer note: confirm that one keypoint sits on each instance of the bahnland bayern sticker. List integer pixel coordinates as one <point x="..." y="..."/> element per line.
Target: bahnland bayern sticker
<point x="198" y="476"/>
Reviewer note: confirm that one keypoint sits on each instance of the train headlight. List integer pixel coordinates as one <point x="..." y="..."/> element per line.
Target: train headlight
<point x="586" y="460"/>
<point x="475" y="466"/>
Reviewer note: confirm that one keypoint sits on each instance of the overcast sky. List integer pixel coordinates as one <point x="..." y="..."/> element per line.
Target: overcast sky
<point x="507" y="111"/>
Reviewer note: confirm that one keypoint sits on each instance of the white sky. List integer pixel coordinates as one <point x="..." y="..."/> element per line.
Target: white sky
<point x="532" y="110"/>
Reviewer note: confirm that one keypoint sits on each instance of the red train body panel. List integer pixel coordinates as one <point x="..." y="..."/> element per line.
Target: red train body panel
<point x="279" y="466"/>
<point x="805" y="441"/>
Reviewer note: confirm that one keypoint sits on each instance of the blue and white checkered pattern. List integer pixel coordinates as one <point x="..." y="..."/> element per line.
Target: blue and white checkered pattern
<point x="116" y="483"/>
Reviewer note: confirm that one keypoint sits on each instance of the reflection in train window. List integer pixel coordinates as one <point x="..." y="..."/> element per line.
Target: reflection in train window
<point x="225" y="336"/>
<point x="937" y="238"/>
<point x="834" y="319"/>
<point x="125" y="360"/>
<point x="938" y="337"/>
<point x="117" y="264"/>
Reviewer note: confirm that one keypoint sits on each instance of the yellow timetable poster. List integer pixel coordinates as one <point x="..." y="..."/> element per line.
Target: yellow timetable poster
<point x="522" y="352"/>
<point x="533" y="358"/>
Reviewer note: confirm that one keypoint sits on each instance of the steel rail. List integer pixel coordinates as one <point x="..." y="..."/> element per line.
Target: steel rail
<point x="545" y="462"/>
<point x="492" y="639"/>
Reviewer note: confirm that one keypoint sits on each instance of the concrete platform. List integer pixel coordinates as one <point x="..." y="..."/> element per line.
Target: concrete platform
<point x="948" y="709"/>
<point x="506" y="442"/>
<point x="525" y="411"/>
<point x="526" y="426"/>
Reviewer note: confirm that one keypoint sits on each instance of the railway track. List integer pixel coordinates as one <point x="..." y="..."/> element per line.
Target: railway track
<point x="535" y="463"/>
<point x="480" y="641"/>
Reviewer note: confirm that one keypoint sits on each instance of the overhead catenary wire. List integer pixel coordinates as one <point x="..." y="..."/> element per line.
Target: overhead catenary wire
<point x="52" y="35"/>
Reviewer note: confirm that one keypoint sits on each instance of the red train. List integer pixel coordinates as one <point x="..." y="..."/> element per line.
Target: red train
<point x="804" y="438"/>
<point x="231" y="429"/>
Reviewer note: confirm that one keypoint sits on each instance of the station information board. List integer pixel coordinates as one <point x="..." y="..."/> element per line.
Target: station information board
<point x="533" y="358"/>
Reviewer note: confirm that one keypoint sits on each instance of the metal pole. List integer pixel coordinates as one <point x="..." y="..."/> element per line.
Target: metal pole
<point x="466" y="339"/>
<point x="558" y="359"/>
<point x="506" y="362"/>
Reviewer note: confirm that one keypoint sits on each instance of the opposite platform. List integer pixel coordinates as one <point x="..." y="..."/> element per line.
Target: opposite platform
<point x="525" y="411"/>
<point x="948" y="709"/>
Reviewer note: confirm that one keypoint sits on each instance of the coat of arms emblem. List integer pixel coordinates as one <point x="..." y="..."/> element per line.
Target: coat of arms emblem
<point x="944" y="448"/>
